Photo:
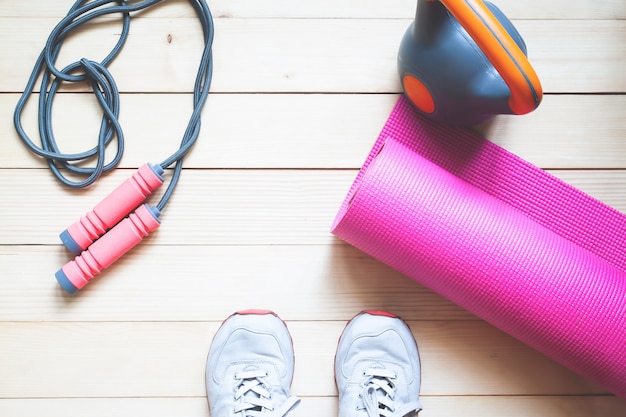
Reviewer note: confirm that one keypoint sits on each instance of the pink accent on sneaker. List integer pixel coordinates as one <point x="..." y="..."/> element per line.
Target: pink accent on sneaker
<point x="380" y="313"/>
<point x="255" y="311"/>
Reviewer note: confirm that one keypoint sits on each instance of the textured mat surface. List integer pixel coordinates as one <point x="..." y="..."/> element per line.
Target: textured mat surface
<point x="507" y="241"/>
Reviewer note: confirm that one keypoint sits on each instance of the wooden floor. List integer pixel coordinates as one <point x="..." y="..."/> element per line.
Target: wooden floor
<point x="300" y="92"/>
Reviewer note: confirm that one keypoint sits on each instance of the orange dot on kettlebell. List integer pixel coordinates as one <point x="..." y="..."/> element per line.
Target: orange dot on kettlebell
<point x="418" y="93"/>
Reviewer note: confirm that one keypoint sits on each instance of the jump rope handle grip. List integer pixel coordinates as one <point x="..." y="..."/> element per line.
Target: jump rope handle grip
<point x="113" y="208"/>
<point x="109" y="248"/>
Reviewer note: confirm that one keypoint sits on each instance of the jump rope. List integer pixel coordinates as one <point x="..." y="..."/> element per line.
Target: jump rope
<point x="122" y="219"/>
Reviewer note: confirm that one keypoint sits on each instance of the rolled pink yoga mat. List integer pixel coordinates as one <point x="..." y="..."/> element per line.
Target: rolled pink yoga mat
<point x="505" y="240"/>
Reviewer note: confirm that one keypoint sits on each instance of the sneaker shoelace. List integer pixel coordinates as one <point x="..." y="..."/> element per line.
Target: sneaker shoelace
<point x="254" y="398"/>
<point x="379" y="396"/>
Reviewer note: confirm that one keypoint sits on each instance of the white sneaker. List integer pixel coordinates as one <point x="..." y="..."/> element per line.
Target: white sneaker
<point x="377" y="367"/>
<point x="250" y="367"/>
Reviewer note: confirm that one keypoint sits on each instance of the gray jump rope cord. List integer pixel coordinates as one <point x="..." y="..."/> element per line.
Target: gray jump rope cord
<point x="105" y="90"/>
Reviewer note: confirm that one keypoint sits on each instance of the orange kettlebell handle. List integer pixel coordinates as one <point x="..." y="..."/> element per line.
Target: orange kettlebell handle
<point x="504" y="54"/>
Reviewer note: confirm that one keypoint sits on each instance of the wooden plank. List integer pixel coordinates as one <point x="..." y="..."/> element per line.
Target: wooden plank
<point x="242" y="9"/>
<point x="562" y="10"/>
<point x="312" y="130"/>
<point x="531" y="9"/>
<point x="156" y="359"/>
<point x="319" y="55"/>
<point x="567" y="60"/>
<point x="223" y="207"/>
<point x="521" y="406"/>
<point x="120" y="407"/>
<point x="200" y="283"/>
<point x="565" y="132"/>
<point x="434" y="406"/>
<point x="281" y="207"/>
<point x="238" y="130"/>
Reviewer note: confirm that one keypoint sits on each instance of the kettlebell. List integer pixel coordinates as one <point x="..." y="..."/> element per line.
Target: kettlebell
<point x="462" y="62"/>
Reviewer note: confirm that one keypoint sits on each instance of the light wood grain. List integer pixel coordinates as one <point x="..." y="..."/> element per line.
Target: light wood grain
<point x="168" y="283"/>
<point x="300" y="92"/>
<point x="167" y="359"/>
<point x="314" y="130"/>
<point x="319" y="55"/>
<point x="222" y="207"/>
<point x="530" y="9"/>
<point x="434" y="406"/>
